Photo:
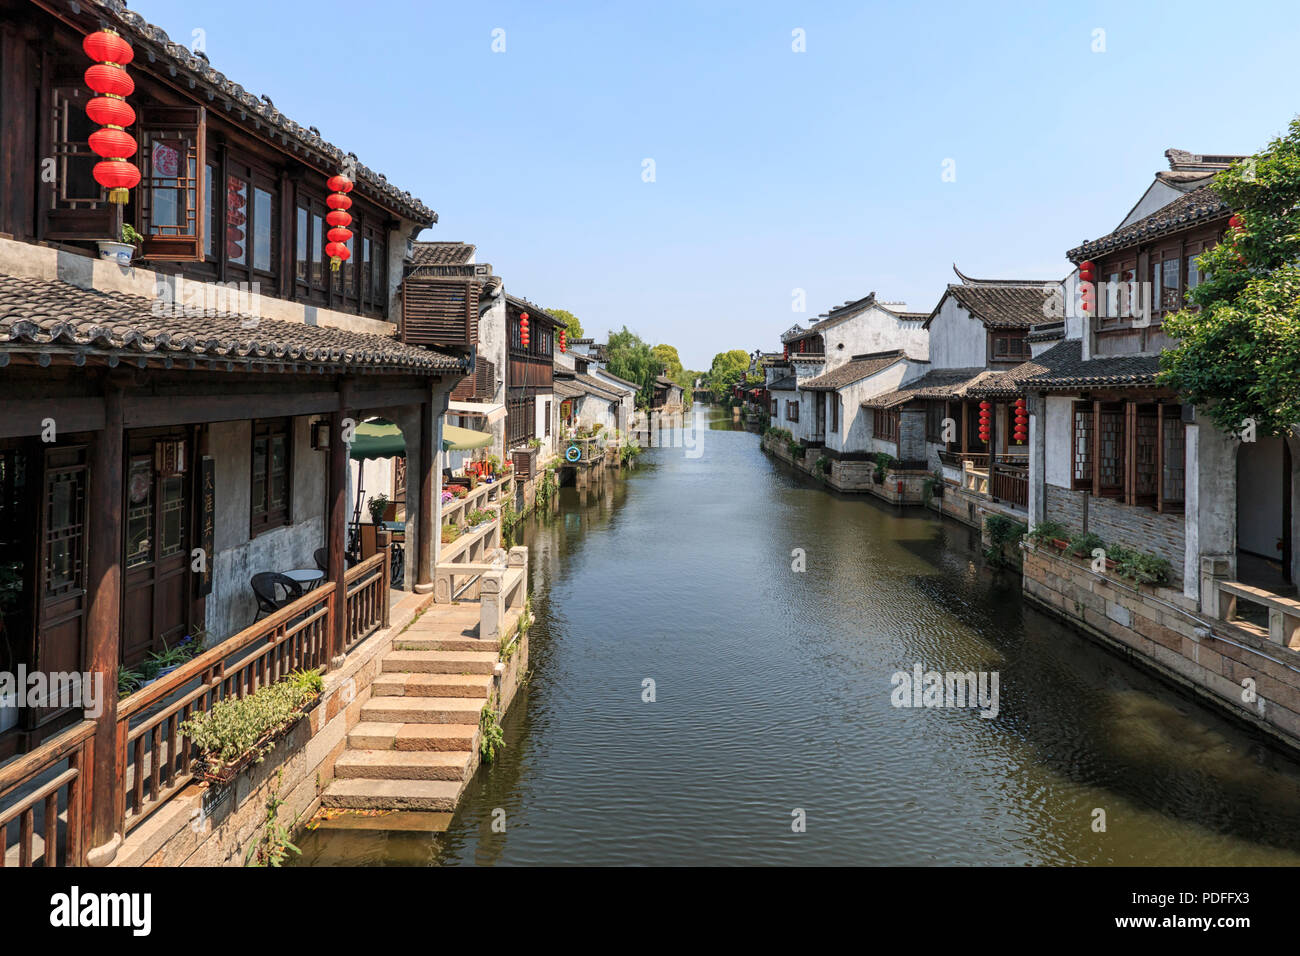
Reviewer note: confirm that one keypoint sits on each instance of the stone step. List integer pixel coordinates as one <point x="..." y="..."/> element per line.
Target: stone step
<point x="402" y="765"/>
<point x="392" y="794"/>
<point x="423" y="710"/>
<point x="440" y="662"/>
<point x="432" y="685"/>
<point x="436" y="737"/>
<point x="409" y="642"/>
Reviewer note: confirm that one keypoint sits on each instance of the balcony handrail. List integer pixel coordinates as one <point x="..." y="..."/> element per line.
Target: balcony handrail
<point x="72" y="745"/>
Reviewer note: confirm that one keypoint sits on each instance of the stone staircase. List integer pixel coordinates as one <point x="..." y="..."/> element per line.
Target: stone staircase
<point x="416" y="745"/>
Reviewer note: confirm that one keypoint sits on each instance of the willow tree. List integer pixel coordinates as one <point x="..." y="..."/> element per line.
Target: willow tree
<point x="1238" y="354"/>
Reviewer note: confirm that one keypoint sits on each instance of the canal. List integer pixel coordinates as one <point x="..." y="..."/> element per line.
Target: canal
<point x="772" y="695"/>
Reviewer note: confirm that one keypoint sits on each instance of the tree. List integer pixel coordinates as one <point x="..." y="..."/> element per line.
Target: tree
<point x="728" y="368"/>
<point x="672" y="362"/>
<point x="1239" y="355"/>
<point x="628" y="356"/>
<point x="570" y="321"/>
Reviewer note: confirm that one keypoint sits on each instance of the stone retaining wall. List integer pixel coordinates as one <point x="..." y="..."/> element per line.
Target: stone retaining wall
<point x="1163" y="631"/>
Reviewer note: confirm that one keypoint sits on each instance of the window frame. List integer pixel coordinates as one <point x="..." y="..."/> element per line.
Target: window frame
<point x="188" y="125"/>
<point x="281" y="516"/>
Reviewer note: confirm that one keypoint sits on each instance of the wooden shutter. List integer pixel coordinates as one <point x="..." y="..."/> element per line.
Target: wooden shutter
<point x="74" y="205"/>
<point x="170" y="210"/>
<point x="439" y="311"/>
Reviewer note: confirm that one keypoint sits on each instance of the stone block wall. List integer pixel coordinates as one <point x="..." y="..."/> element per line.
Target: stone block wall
<point x="1137" y="527"/>
<point x="1161" y="630"/>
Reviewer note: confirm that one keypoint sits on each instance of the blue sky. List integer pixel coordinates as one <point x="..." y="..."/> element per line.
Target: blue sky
<point x="774" y="170"/>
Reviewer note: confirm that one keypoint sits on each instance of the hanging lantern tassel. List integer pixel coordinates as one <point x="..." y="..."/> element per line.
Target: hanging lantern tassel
<point x="111" y="143"/>
<point x="339" y="219"/>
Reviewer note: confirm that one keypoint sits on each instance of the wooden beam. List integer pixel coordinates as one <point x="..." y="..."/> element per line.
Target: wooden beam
<point x="20" y="417"/>
<point x="104" y="580"/>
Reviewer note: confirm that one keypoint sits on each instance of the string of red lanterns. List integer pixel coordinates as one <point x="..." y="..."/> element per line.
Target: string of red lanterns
<point x="523" y="330"/>
<point x="563" y="341"/>
<point x="1086" y="290"/>
<point x="985" y="421"/>
<point x="1020" y="432"/>
<point x="339" y="218"/>
<point x="111" y="142"/>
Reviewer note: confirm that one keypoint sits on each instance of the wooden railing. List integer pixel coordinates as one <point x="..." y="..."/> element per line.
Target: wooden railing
<point x="1283" y="612"/>
<point x="367" y="602"/>
<point x="33" y="787"/>
<point x="155" y="756"/>
<point x="1010" y="483"/>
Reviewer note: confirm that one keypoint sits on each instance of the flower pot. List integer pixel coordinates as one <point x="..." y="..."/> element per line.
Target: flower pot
<point x="1059" y="545"/>
<point x="119" y="252"/>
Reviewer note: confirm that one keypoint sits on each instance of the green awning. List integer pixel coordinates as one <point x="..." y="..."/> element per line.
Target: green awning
<point x="383" y="439"/>
<point x="378" y="439"/>
<point x="455" y="438"/>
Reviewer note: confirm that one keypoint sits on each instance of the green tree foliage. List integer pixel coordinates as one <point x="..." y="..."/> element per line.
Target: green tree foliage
<point x="728" y="368"/>
<point x="672" y="362"/>
<point x="1239" y="355"/>
<point x="629" y="357"/>
<point x="570" y="320"/>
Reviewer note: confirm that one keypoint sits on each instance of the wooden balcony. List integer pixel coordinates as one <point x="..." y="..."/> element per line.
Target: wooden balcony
<point x="46" y="791"/>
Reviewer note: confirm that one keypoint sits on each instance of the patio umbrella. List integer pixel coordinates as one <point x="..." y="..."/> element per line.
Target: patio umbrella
<point x="383" y="439"/>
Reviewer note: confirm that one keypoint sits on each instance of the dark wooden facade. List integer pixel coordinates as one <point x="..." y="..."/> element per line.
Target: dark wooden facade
<point x="530" y="370"/>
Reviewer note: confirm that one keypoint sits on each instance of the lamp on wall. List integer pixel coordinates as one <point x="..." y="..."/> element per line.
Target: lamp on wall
<point x="320" y="436"/>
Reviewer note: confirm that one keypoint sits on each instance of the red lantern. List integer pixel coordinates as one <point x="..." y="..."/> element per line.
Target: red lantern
<point x="1086" y="270"/>
<point x="112" y="142"/>
<point x="107" y="47"/>
<point x="110" y="111"/>
<point x="1235" y="221"/>
<point x="523" y="330"/>
<point x="338" y="200"/>
<point x="563" y="343"/>
<point x="337" y="217"/>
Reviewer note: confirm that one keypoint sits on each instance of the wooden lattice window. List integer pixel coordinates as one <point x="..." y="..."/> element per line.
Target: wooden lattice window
<point x="1110" y="450"/>
<point x="1081" y="446"/>
<point x="170" y="208"/>
<point x="791" y="411"/>
<point x="65" y="529"/>
<point x="884" y="425"/>
<point x="1173" y="470"/>
<point x="1146" y="455"/>
<point x="272" y="474"/>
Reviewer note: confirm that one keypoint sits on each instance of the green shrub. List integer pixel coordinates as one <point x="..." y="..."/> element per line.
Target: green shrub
<point x="1046" y="531"/>
<point x="239" y="726"/>
<point x="794" y="448"/>
<point x="821" y="467"/>
<point x="1141" y="567"/>
<point x="1082" y="545"/>
<point x="883" y="463"/>
<point x="1001" y="531"/>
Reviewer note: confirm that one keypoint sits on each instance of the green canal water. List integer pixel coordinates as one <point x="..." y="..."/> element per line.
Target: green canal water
<point x="773" y="695"/>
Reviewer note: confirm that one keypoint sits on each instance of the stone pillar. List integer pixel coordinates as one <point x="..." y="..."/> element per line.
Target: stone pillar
<point x="1213" y="469"/>
<point x="1037" y="404"/>
<point x="492" y="611"/>
<point x="107" y="809"/>
<point x="426" y="481"/>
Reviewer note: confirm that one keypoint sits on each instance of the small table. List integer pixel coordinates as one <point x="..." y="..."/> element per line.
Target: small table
<point x="307" y="577"/>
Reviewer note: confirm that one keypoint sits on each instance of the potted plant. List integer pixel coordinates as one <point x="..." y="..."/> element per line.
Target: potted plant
<point x="123" y="251"/>
<point x="377" y="505"/>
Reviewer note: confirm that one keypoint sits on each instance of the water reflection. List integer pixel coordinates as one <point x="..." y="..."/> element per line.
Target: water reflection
<point x="773" y="691"/>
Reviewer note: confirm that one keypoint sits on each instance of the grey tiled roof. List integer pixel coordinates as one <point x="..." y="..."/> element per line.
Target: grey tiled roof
<point x="442" y="253"/>
<point x="1002" y="305"/>
<point x="1199" y="205"/>
<point x="1063" y="367"/>
<point x="45" y="315"/>
<point x="786" y="384"/>
<point x="858" y="368"/>
<point x="939" y="383"/>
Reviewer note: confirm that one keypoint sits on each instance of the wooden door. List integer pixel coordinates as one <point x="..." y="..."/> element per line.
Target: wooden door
<point x="64" y="595"/>
<point x="157" y="555"/>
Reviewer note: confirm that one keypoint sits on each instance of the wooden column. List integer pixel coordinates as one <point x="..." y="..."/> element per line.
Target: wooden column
<point x="104" y="579"/>
<point x="426" y="548"/>
<point x="337" y="534"/>
<point x="1096" y="449"/>
<point x="965" y="426"/>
